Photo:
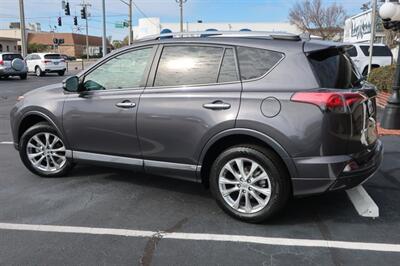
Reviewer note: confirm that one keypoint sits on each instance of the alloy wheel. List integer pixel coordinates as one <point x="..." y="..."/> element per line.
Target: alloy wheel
<point x="245" y="185"/>
<point x="46" y="152"/>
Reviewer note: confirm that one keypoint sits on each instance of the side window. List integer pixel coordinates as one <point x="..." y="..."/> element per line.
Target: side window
<point x="123" y="71"/>
<point x="228" y="71"/>
<point x="254" y="62"/>
<point x="352" y="52"/>
<point x="188" y="65"/>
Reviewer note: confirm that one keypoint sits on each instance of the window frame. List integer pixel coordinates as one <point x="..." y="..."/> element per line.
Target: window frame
<point x="112" y="56"/>
<point x="157" y="59"/>
<point x="265" y="74"/>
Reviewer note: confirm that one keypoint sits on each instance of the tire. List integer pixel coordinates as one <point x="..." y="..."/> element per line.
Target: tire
<point x="23" y="76"/>
<point x="27" y="143"/>
<point x="39" y="72"/>
<point x="277" y="182"/>
<point x="61" y="73"/>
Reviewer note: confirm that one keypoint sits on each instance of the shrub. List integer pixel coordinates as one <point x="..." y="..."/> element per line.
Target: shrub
<point x="382" y="77"/>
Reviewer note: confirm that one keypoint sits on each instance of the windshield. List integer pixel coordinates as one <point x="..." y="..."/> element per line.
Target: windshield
<point x="10" y="57"/>
<point x="333" y="68"/>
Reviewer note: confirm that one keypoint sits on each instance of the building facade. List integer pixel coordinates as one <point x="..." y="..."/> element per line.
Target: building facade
<point x="152" y="26"/>
<point x="9" y="45"/>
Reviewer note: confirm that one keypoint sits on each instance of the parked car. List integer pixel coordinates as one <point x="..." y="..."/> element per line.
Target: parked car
<point x="12" y="64"/>
<point x="42" y="63"/>
<point x="258" y="118"/>
<point x="381" y="56"/>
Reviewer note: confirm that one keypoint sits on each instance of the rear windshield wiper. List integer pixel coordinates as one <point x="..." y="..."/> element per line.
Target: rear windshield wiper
<point x="358" y="81"/>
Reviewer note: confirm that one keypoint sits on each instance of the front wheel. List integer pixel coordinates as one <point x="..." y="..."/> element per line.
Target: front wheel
<point x="249" y="183"/>
<point x="39" y="72"/>
<point x="43" y="151"/>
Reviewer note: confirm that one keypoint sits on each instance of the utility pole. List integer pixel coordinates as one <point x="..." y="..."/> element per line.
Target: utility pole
<point x="181" y="2"/>
<point x="373" y="27"/>
<point x="24" y="48"/>
<point x="104" y="29"/>
<point x="130" y="35"/>
<point x="85" y="15"/>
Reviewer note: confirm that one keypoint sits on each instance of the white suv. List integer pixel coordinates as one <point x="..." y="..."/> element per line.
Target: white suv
<point x="41" y="63"/>
<point x="381" y="56"/>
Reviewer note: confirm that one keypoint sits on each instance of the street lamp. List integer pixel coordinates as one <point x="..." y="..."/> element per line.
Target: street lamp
<point x="390" y="14"/>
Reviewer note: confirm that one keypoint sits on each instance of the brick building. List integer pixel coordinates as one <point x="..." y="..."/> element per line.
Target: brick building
<point x="74" y="44"/>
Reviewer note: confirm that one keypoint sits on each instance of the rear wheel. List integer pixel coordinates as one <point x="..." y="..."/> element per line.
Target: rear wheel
<point x="43" y="151"/>
<point x="61" y="73"/>
<point x="23" y="76"/>
<point x="249" y="183"/>
<point x="39" y="72"/>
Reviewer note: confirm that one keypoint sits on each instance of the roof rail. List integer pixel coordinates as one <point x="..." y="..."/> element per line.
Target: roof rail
<point x="276" y="35"/>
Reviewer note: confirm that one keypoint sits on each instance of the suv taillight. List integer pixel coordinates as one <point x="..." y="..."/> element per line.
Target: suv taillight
<point x="46" y="61"/>
<point x="1" y="62"/>
<point x="329" y="101"/>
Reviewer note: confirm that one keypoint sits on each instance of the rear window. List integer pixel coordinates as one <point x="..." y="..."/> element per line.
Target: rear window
<point x="10" y="57"/>
<point x="333" y="69"/>
<point x="352" y="52"/>
<point x="254" y="62"/>
<point x="377" y="51"/>
<point x="52" y="56"/>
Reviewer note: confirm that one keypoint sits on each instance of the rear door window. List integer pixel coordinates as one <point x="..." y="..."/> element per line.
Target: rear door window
<point x="188" y="65"/>
<point x="52" y="56"/>
<point x="228" y="71"/>
<point x="333" y="69"/>
<point x="377" y="51"/>
<point x="10" y="57"/>
<point x="254" y="62"/>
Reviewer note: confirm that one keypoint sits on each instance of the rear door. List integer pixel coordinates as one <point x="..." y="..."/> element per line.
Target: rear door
<point x="193" y="94"/>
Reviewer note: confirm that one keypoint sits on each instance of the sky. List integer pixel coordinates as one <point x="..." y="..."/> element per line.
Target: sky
<point x="46" y="12"/>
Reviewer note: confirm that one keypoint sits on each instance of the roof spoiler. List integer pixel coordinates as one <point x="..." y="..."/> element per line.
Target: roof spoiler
<point x="315" y="46"/>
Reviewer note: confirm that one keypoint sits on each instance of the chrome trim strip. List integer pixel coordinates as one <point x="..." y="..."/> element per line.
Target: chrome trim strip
<point x="106" y="158"/>
<point x="68" y="154"/>
<point x="168" y="165"/>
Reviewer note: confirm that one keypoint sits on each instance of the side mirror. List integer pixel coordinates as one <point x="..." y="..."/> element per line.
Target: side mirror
<point x="71" y="84"/>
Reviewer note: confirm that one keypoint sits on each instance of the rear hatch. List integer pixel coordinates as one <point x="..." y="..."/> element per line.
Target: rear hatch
<point x="348" y="101"/>
<point x="6" y="60"/>
<point x="53" y="60"/>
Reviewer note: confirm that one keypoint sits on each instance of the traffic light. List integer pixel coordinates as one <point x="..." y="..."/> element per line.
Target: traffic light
<point x="76" y="21"/>
<point x="59" y="21"/>
<point x="67" y="10"/>
<point x="83" y="13"/>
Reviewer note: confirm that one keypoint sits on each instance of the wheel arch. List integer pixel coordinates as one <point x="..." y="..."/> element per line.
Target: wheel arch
<point x="236" y="136"/>
<point x="32" y="118"/>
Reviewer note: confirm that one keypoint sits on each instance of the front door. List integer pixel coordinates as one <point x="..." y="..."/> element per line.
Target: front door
<point x="194" y="94"/>
<point x="102" y="119"/>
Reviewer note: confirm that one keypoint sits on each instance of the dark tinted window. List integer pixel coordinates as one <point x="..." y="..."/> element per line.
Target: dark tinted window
<point x="52" y="56"/>
<point x="228" y="70"/>
<point x="10" y="57"/>
<point x="188" y="65"/>
<point x="333" y="69"/>
<point x="352" y="52"/>
<point x="254" y="63"/>
<point x="377" y="51"/>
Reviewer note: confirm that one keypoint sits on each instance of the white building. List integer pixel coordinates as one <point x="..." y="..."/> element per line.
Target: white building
<point x="152" y="26"/>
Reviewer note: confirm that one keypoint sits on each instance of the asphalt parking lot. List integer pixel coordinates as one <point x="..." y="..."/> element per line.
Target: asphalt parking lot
<point x="74" y="220"/>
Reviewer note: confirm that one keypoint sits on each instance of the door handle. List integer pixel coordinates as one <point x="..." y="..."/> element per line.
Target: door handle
<point x="126" y="104"/>
<point x="217" y="105"/>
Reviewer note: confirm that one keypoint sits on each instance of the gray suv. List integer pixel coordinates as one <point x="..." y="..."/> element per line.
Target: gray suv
<point x="257" y="118"/>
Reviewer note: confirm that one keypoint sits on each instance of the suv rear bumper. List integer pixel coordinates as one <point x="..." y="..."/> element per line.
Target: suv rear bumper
<point x="321" y="174"/>
<point x="12" y="72"/>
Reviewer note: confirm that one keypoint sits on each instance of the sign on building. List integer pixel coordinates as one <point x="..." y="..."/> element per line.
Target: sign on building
<point x="358" y="27"/>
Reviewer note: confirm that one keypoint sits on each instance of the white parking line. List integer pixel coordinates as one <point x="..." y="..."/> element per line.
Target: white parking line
<point x="363" y="203"/>
<point x="274" y="241"/>
<point x="7" y="142"/>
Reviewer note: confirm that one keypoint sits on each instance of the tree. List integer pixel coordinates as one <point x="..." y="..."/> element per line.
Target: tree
<point x="37" y="48"/>
<point x="313" y="17"/>
<point x="117" y="44"/>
